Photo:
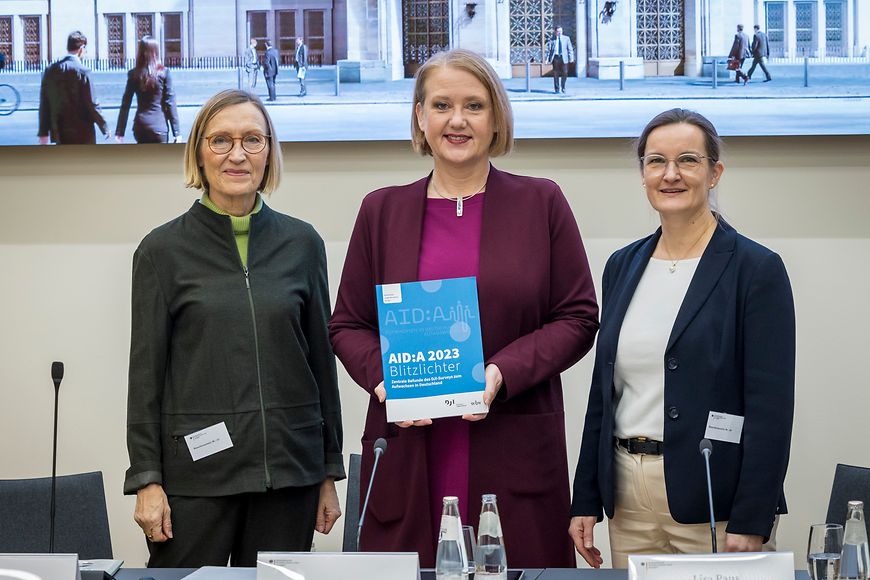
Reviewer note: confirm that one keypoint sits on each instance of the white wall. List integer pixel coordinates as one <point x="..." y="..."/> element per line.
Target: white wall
<point x="73" y="216"/>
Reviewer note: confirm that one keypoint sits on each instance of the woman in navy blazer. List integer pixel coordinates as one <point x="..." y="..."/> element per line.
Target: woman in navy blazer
<point x="727" y="347"/>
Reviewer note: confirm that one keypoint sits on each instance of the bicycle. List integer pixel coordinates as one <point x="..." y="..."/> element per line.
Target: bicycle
<point x="10" y="99"/>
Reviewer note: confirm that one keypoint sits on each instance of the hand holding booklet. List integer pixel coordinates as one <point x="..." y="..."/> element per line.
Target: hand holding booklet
<point x="431" y="349"/>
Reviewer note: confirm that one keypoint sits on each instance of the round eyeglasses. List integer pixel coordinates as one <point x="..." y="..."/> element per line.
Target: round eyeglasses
<point x="685" y="162"/>
<point x="221" y="143"/>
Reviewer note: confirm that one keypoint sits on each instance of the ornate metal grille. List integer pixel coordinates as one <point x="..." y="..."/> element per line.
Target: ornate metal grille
<point x="172" y="39"/>
<point x="426" y="31"/>
<point x="115" y="37"/>
<point x="531" y="24"/>
<point x="775" y="26"/>
<point x="804" y="21"/>
<point x="660" y="30"/>
<point x="834" y="45"/>
<point x="6" y="38"/>
<point x="144" y="25"/>
<point x="32" y="39"/>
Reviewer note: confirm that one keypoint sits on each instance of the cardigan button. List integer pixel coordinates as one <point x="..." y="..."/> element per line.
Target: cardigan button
<point x="673" y="413"/>
<point x="672" y="364"/>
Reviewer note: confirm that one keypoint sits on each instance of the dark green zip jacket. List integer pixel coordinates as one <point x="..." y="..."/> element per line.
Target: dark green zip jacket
<point x="212" y="342"/>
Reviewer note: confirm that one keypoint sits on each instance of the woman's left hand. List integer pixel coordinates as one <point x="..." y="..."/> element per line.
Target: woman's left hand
<point x="494" y="381"/>
<point x="743" y="543"/>
<point x="328" y="510"/>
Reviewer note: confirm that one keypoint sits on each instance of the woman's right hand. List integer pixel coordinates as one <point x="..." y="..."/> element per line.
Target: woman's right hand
<point x="580" y="531"/>
<point x="152" y="513"/>
<point x="381" y="393"/>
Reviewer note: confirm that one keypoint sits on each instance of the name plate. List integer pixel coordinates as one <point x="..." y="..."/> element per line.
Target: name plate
<point x="40" y="566"/>
<point x="730" y="566"/>
<point x="328" y="565"/>
<point x="431" y="349"/>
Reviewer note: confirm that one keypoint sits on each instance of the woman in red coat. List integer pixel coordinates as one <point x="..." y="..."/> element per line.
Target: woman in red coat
<point x="538" y="317"/>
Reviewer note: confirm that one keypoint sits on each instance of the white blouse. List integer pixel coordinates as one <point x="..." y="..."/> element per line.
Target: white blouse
<point x="639" y="371"/>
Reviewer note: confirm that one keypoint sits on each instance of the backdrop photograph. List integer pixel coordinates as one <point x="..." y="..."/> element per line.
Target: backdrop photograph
<point x="342" y="70"/>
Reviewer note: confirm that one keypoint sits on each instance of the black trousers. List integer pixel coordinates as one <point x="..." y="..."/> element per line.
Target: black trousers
<point x="270" y="84"/>
<point x="560" y="71"/>
<point x="758" y="61"/>
<point x="149" y="136"/>
<point x="211" y="531"/>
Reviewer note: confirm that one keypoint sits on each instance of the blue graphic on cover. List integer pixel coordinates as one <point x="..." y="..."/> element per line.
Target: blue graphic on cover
<point x="431" y="348"/>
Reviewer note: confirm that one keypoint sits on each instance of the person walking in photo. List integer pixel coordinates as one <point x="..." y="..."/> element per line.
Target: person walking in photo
<point x="252" y="64"/>
<point x="560" y="52"/>
<point x="155" y="98"/>
<point x="739" y="53"/>
<point x="301" y="65"/>
<point x="760" y="52"/>
<point x="270" y="69"/>
<point x="68" y="109"/>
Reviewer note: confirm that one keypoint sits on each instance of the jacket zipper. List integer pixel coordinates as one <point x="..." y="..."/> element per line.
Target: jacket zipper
<point x="259" y="380"/>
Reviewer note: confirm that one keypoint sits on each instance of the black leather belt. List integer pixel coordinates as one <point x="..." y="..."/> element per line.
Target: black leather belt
<point x="642" y="445"/>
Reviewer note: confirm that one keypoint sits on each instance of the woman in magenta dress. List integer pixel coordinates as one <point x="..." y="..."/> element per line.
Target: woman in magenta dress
<point x="518" y="237"/>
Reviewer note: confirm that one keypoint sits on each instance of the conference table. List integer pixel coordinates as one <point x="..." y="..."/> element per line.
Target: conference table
<point x="529" y="574"/>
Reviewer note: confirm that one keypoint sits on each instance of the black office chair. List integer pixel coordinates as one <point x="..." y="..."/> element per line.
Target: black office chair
<point x="850" y="483"/>
<point x="81" y="519"/>
<point x="351" y="505"/>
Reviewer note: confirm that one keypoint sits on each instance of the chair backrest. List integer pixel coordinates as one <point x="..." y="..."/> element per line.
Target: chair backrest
<point x="81" y="519"/>
<point x="850" y="483"/>
<point x="351" y="505"/>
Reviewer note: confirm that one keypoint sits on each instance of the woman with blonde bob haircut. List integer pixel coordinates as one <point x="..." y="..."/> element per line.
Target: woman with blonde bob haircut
<point x="538" y="316"/>
<point x="230" y="345"/>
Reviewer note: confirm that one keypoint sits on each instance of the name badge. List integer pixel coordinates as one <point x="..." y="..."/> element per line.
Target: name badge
<point x="724" y="427"/>
<point x="208" y="441"/>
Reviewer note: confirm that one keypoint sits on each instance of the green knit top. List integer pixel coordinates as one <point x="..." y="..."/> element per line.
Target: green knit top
<point x="241" y="225"/>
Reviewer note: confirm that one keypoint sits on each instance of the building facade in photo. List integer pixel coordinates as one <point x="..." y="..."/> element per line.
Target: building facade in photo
<point x="389" y="39"/>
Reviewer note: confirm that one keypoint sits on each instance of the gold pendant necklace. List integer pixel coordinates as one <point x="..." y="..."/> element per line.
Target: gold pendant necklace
<point x="673" y="267"/>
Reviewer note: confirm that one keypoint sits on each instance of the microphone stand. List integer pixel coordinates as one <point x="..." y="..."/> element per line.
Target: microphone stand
<point x="56" y="377"/>
<point x="706" y="450"/>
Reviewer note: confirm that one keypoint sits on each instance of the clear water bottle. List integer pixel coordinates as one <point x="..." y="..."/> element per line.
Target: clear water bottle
<point x="451" y="561"/>
<point x="490" y="559"/>
<point x="855" y="563"/>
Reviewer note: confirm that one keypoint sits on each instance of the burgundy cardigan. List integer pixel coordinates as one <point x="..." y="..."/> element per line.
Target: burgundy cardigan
<point x="538" y="317"/>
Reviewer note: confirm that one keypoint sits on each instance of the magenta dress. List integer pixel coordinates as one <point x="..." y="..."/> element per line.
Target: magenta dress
<point x="449" y="248"/>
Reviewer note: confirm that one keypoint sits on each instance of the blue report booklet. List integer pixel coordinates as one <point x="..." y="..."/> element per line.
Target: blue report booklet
<point x="431" y="348"/>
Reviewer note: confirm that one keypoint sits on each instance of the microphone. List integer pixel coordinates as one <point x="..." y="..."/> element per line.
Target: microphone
<point x="56" y="378"/>
<point x="706" y="448"/>
<point x="379" y="448"/>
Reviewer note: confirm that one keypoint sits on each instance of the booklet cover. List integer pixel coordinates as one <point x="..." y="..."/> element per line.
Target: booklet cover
<point x="431" y="348"/>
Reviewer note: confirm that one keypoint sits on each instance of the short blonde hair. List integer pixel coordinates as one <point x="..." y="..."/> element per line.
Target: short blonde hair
<point x="193" y="174"/>
<point x="470" y="62"/>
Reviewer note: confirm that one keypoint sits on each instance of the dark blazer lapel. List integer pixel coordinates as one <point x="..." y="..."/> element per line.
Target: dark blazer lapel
<point x="494" y="240"/>
<point x="710" y="269"/>
<point x="625" y="286"/>
<point x="403" y="234"/>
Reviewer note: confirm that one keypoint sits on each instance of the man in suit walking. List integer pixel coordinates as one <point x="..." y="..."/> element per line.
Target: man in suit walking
<point x="68" y="109"/>
<point x="301" y="64"/>
<point x="252" y="64"/>
<point x="760" y="51"/>
<point x="739" y="53"/>
<point x="560" y="52"/>
<point x="270" y="68"/>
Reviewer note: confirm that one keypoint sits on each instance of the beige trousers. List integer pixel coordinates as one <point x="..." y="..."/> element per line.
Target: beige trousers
<point x="642" y="522"/>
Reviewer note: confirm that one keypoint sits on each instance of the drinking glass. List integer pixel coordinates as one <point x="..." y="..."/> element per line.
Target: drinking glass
<point x="824" y="551"/>
<point x="470" y="548"/>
